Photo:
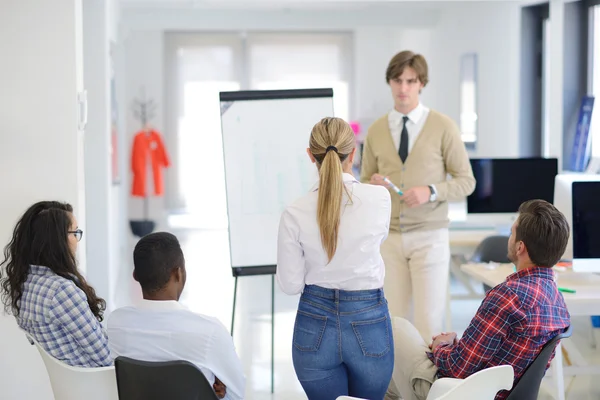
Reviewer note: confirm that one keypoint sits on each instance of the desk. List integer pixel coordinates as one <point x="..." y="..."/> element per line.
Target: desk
<point x="463" y="242"/>
<point x="468" y="239"/>
<point x="585" y="302"/>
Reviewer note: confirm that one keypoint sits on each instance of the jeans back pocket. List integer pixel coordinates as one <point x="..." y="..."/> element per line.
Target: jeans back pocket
<point x="373" y="336"/>
<point x="308" y="331"/>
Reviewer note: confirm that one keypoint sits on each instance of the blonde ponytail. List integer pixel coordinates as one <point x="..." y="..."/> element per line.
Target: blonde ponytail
<point x="331" y="141"/>
<point x="329" y="204"/>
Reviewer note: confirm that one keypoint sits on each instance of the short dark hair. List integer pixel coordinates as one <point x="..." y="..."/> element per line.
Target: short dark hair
<point x="405" y="59"/>
<point x="544" y="230"/>
<point x="154" y="258"/>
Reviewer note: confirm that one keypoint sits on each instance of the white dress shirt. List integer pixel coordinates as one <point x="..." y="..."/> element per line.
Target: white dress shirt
<point x="167" y="331"/>
<point x="414" y="125"/>
<point x="357" y="263"/>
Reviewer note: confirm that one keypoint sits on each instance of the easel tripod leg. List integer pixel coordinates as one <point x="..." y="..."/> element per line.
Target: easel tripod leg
<point x="272" y="333"/>
<point x="234" y="300"/>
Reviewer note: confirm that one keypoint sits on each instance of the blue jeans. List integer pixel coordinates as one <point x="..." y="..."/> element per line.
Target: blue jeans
<point x="343" y="343"/>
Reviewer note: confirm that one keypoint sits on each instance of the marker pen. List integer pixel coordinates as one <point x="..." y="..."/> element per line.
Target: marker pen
<point x="396" y="189"/>
<point x="565" y="290"/>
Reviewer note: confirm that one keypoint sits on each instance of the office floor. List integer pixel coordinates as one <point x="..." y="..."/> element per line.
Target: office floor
<point x="209" y="290"/>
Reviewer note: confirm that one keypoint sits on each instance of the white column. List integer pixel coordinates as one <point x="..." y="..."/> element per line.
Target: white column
<point x="557" y="23"/>
<point x="41" y="148"/>
<point x="97" y="149"/>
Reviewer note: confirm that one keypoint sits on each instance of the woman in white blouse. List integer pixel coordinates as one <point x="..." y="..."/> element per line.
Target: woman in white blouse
<point x="329" y="250"/>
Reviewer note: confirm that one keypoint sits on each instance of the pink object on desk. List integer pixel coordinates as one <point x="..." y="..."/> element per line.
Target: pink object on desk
<point x="355" y="127"/>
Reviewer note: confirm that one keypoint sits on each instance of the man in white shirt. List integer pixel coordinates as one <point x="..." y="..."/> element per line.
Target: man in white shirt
<point x="159" y="328"/>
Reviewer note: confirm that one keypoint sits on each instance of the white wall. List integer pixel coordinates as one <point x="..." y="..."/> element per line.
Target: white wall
<point x="41" y="153"/>
<point x="492" y="31"/>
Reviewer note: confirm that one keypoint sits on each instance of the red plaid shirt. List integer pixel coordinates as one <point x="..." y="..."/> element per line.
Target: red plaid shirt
<point x="513" y="323"/>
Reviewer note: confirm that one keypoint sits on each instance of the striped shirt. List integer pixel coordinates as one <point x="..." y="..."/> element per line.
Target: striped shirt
<point x="55" y="312"/>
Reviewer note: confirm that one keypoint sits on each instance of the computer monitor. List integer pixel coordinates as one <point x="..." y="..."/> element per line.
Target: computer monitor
<point x="586" y="226"/>
<point x="563" y="196"/>
<point x="504" y="183"/>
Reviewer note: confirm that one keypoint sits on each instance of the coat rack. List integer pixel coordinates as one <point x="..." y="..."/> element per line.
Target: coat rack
<point x="143" y="110"/>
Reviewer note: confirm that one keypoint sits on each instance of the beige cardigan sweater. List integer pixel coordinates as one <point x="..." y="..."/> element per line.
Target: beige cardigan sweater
<point x="437" y="151"/>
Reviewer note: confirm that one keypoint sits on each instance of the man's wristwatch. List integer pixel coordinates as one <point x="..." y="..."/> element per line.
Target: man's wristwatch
<point x="433" y="196"/>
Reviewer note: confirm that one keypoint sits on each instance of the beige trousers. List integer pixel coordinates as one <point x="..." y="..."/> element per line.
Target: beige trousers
<point x="416" y="277"/>
<point x="413" y="373"/>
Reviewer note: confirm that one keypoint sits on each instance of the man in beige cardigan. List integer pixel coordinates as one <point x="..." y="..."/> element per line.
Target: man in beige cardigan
<point x="416" y="148"/>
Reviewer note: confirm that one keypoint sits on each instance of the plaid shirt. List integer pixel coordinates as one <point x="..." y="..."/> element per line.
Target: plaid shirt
<point x="513" y="323"/>
<point x="55" y="312"/>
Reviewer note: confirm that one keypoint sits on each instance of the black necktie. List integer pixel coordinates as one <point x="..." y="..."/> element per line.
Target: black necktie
<point x="403" y="150"/>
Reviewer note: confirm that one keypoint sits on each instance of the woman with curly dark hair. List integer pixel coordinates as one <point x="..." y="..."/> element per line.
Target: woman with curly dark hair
<point x="45" y="292"/>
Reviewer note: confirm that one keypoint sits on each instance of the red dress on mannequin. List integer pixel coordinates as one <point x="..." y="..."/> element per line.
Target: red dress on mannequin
<point x="148" y="144"/>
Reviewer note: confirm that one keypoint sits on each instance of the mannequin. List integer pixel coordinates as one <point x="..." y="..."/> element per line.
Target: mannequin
<point x="148" y="148"/>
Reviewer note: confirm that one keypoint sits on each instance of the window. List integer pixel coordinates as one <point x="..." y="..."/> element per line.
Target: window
<point x="468" y="99"/>
<point x="594" y="77"/>
<point x="302" y="61"/>
<point x="199" y="66"/>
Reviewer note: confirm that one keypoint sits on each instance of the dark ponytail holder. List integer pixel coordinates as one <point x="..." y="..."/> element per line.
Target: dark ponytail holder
<point x="331" y="148"/>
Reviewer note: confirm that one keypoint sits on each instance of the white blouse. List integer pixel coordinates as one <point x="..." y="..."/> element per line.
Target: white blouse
<point x="357" y="263"/>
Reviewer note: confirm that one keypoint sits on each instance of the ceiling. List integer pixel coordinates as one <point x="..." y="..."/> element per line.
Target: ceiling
<point x="295" y="4"/>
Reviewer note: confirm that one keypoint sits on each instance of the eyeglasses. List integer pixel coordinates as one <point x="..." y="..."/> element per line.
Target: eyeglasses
<point x="78" y="234"/>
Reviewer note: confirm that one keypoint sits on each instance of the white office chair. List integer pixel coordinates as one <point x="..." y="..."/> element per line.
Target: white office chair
<point x="483" y="385"/>
<point x="349" y="398"/>
<point x="77" y="383"/>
